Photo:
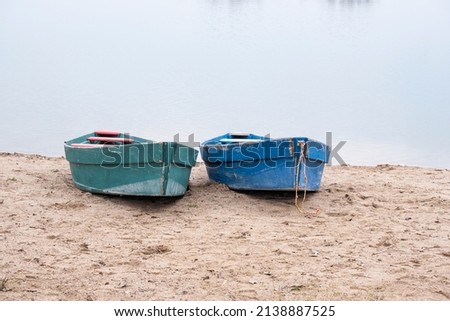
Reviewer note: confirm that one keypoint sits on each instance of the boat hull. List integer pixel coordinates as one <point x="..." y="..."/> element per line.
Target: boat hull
<point x="266" y="164"/>
<point x="143" y="168"/>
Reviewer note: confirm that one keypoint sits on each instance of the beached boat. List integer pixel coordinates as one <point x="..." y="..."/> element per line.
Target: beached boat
<point x="113" y="163"/>
<point x="251" y="162"/>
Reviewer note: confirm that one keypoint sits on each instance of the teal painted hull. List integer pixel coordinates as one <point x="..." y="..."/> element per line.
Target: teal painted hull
<point x="140" y="168"/>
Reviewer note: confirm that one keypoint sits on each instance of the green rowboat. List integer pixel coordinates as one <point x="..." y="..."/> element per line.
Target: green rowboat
<point x="113" y="163"/>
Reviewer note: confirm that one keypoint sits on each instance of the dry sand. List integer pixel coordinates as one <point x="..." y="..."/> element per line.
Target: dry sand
<point x="371" y="233"/>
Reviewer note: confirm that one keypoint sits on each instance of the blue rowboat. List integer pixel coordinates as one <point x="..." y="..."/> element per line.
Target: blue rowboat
<point x="252" y="162"/>
<point x="113" y="163"/>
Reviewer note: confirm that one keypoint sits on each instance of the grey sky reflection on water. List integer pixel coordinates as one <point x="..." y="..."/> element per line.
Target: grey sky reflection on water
<point x="375" y="73"/>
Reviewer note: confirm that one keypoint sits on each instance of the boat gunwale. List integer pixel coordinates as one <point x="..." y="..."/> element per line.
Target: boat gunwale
<point x="294" y="152"/>
<point x="163" y="149"/>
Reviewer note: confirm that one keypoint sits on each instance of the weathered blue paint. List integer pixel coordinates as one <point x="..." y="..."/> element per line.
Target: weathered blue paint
<point x="140" y="168"/>
<point x="251" y="162"/>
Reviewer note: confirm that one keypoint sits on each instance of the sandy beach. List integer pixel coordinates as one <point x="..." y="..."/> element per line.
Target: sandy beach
<point x="370" y="233"/>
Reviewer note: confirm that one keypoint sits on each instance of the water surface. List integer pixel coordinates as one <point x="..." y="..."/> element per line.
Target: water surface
<point x="375" y="73"/>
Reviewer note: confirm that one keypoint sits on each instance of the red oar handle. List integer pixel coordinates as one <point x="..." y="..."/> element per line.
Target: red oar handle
<point x="110" y="140"/>
<point x="106" y="133"/>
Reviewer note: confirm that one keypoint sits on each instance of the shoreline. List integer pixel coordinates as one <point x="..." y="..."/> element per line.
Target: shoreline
<point x="371" y="233"/>
<point x="199" y="162"/>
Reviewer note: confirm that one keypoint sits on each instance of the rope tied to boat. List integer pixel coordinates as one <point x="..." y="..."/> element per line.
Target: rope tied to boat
<point x="301" y="159"/>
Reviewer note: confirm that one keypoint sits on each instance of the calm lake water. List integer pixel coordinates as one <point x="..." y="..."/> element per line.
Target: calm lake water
<point x="375" y="73"/>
